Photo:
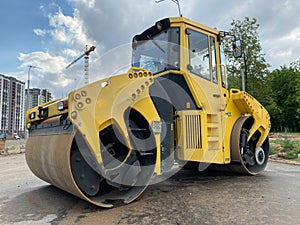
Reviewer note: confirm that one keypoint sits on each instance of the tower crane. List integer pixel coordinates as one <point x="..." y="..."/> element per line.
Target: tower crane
<point x="86" y="56"/>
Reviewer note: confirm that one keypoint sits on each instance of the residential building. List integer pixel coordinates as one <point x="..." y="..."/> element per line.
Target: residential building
<point x="12" y="106"/>
<point x="37" y="97"/>
<point x="46" y="96"/>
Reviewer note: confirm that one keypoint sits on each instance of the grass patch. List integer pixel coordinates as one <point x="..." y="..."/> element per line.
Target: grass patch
<point x="286" y="145"/>
<point x="293" y="154"/>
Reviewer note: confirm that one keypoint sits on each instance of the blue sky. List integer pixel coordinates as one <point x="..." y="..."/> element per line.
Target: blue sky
<point x="52" y="33"/>
<point x="18" y="19"/>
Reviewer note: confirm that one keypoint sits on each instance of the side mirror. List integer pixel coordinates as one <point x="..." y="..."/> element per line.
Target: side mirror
<point x="237" y="48"/>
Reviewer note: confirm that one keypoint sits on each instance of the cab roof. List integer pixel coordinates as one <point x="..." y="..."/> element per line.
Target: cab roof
<point x="169" y="22"/>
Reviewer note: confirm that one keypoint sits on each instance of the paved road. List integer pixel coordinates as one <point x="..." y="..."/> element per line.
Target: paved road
<point x="187" y="198"/>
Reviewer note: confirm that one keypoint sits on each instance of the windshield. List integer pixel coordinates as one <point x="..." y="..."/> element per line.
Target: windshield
<point x="158" y="53"/>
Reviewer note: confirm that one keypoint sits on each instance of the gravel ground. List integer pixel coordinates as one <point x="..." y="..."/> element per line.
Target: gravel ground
<point x="189" y="197"/>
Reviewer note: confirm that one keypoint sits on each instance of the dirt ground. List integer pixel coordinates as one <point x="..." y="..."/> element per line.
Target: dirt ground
<point x="282" y="136"/>
<point x="281" y="155"/>
<point x="189" y="197"/>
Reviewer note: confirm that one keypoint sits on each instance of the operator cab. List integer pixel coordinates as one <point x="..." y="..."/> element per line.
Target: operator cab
<point x="190" y="82"/>
<point x="181" y="44"/>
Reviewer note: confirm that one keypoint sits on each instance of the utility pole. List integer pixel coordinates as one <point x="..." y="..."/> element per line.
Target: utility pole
<point x="245" y="71"/>
<point x="28" y="93"/>
<point x="28" y="83"/>
<point x="243" y="80"/>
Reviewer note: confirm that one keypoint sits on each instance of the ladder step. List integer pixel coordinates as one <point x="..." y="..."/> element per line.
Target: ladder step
<point x="213" y="139"/>
<point x="213" y="149"/>
<point x="213" y="125"/>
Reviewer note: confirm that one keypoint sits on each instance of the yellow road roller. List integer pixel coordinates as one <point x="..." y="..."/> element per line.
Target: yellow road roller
<point x="106" y="141"/>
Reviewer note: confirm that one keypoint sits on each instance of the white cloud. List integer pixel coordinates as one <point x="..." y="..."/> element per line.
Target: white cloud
<point x="112" y="24"/>
<point x="49" y="73"/>
<point x="87" y="3"/>
<point x="71" y="53"/>
<point x="292" y="36"/>
<point x="68" y="30"/>
<point x="46" y="61"/>
<point x="68" y="40"/>
<point x="39" y="32"/>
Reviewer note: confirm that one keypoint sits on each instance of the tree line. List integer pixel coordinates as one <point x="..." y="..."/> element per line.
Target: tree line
<point x="278" y="90"/>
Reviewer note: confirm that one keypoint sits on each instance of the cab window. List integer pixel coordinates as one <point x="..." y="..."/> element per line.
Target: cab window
<point x="213" y="60"/>
<point x="202" y="55"/>
<point x="223" y="66"/>
<point x="158" y="53"/>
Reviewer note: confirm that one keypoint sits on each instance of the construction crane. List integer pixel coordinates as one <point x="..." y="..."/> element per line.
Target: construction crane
<point x="86" y="55"/>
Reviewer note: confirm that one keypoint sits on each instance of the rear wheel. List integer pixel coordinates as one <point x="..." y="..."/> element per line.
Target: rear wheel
<point x="252" y="159"/>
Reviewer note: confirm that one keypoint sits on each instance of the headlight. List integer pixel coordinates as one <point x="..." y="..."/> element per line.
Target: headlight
<point x="62" y="105"/>
<point x="32" y="115"/>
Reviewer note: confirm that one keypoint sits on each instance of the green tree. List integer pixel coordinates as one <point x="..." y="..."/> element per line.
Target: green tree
<point x="252" y="62"/>
<point x="296" y="66"/>
<point x="284" y="84"/>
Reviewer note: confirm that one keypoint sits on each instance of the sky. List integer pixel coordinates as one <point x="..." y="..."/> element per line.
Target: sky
<point x="50" y="34"/>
